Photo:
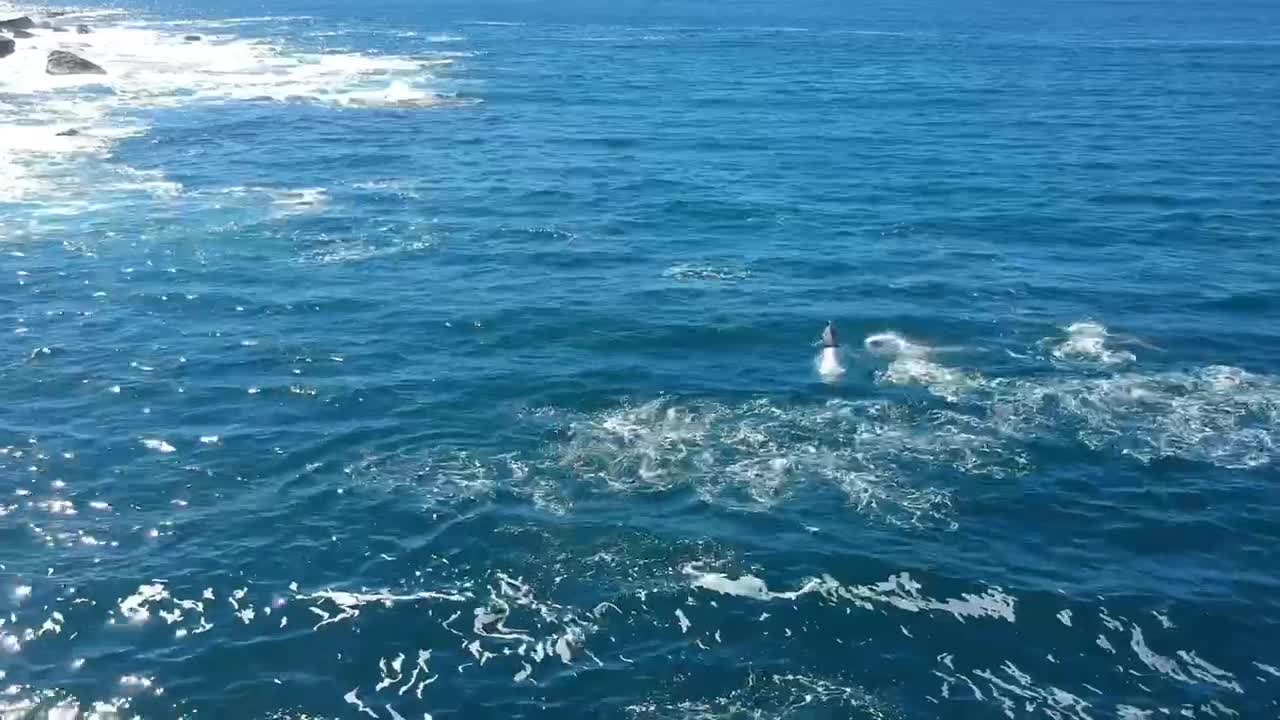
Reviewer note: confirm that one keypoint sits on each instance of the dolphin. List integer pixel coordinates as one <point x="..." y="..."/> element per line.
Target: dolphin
<point x="829" y="360"/>
<point x="829" y="336"/>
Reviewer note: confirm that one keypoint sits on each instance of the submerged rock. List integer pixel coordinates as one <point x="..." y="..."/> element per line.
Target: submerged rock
<point x="6" y="47"/>
<point x="21" y="34"/>
<point x="59" y="29"/>
<point x="192" y="38"/>
<point x="65" y="63"/>
<point x="69" y="133"/>
<point x="83" y="29"/>
<point x="18" y="23"/>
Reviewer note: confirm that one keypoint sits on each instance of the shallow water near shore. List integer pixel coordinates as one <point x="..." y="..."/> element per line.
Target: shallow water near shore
<point x="462" y="361"/>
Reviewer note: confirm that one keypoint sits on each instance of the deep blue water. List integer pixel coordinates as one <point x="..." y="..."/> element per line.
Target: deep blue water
<point x="457" y="360"/>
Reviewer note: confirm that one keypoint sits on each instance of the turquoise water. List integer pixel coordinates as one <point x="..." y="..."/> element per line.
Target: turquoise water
<point x="458" y="361"/>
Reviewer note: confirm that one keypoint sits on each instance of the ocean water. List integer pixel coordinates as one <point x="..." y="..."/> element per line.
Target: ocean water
<point x="459" y="360"/>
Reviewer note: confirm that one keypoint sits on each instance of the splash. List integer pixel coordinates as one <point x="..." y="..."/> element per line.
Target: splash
<point x="911" y="364"/>
<point x="158" y="445"/>
<point x="1088" y="341"/>
<point x="828" y="363"/>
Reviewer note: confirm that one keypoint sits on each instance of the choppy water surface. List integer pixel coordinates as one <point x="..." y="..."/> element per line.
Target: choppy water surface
<point x="459" y="361"/>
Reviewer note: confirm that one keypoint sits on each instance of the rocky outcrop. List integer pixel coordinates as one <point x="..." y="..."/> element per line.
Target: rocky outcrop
<point x="6" y="47"/>
<point x="69" y="133"/>
<point x="83" y="29"/>
<point x="65" y="63"/>
<point x="18" y="23"/>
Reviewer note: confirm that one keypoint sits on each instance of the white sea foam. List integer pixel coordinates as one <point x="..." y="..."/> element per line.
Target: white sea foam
<point x="1058" y="703"/>
<point x="898" y="591"/>
<point x="150" y="65"/>
<point x="1222" y="415"/>
<point x="749" y="586"/>
<point x="1088" y="341"/>
<point x="10" y="643"/>
<point x="754" y="455"/>
<point x="1192" y="669"/>
<point x="1268" y="669"/>
<point x="348" y="604"/>
<point x="359" y="705"/>
<point x="911" y="363"/>
<point x="135" y="607"/>
<point x="1219" y="415"/>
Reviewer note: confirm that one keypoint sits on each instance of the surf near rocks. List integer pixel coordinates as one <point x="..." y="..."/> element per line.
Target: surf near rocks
<point x="62" y="62"/>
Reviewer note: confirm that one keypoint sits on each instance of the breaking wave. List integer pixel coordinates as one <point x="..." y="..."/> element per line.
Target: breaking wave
<point x="50" y="126"/>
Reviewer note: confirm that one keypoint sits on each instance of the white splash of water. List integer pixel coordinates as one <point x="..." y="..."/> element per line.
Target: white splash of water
<point x="911" y="363"/>
<point x="829" y="365"/>
<point x="1088" y="341"/>
<point x="158" y="445"/>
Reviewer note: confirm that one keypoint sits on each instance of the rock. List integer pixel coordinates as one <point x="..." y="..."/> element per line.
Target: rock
<point x="21" y="34"/>
<point x="65" y="63"/>
<point x="6" y="47"/>
<point x="83" y="30"/>
<point x="18" y="23"/>
<point x="59" y="29"/>
<point x="193" y="38"/>
<point x="69" y="133"/>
